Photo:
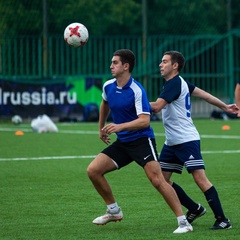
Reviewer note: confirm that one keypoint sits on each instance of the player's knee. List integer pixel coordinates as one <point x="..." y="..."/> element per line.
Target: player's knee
<point x="92" y="172"/>
<point x="156" y="182"/>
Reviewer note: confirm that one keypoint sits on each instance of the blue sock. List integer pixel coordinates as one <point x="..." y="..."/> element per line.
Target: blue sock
<point x="185" y="200"/>
<point x="214" y="203"/>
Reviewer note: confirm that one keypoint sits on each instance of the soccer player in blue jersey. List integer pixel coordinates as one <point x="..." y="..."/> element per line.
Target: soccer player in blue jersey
<point x="130" y="109"/>
<point x="182" y="145"/>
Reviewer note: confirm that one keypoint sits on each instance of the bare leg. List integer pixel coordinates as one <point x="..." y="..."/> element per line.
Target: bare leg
<point x="195" y="210"/>
<point x="201" y="179"/>
<point x="155" y="175"/>
<point x="97" y="168"/>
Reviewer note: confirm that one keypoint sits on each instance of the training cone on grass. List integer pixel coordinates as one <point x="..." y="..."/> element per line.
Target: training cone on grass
<point x="19" y="133"/>
<point x="225" y="127"/>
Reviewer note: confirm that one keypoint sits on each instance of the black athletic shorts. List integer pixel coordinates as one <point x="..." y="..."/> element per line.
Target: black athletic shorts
<point x="141" y="151"/>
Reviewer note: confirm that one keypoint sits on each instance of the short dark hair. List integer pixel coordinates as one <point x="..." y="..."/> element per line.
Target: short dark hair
<point x="126" y="56"/>
<point x="176" y="57"/>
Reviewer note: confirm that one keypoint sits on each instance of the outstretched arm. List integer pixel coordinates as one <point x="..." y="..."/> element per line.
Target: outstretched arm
<point x="158" y="105"/>
<point x="237" y="96"/>
<point x="231" y="108"/>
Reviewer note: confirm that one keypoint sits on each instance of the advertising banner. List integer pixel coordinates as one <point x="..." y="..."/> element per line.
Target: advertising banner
<point x="64" y="98"/>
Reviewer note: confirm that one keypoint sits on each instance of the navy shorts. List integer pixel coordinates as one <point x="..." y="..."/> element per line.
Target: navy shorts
<point x="188" y="155"/>
<point x="141" y="151"/>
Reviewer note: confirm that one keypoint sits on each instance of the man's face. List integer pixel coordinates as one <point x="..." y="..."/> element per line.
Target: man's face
<point x="167" y="69"/>
<point x="117" y="68"/>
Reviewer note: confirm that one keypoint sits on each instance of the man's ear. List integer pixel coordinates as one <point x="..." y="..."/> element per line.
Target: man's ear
<point x="126" y="66"/>
<point x="175" y="65"/>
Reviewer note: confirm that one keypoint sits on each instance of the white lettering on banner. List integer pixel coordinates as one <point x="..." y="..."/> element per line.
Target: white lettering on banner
<point x="36" y="98"/>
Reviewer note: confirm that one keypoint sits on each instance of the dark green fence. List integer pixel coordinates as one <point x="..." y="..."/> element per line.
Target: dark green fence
<point x="212" y="61"/>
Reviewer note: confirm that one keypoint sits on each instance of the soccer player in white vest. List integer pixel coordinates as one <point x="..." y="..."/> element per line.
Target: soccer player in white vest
<point x="182" y="145"/>
<point x="130" y="109"/>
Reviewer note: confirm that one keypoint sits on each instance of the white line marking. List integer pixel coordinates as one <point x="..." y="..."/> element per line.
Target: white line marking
<point x="60" y="131"/>
<point x="156" y="134"/>
<point x="208" y="136"/>
<point x="46" y="158"/>
<point x="220" y="136"/>
<point x="223" y="151"/>
<point x="96" y="132"/>
<point x="93" y="156"/>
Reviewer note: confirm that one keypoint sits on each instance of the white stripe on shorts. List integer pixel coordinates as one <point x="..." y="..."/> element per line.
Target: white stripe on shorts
<point x="152" y="148"/>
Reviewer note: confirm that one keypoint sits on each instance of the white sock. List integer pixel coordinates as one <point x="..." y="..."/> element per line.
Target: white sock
<point x="113" y="208"/>
<point x="181" y="218"/>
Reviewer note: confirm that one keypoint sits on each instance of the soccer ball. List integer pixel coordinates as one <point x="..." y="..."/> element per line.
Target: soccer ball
<point x="76" y="35"/>
<point x="16" y="120"/>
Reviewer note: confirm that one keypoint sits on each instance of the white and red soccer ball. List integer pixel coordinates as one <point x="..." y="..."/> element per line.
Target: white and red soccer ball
<point x="76" y="35"/>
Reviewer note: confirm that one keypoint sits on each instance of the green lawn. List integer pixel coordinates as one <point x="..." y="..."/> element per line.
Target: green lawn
<point x="45" y="192"/>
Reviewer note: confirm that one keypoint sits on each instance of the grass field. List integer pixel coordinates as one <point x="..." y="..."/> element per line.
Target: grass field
<point x="45" y="192"/>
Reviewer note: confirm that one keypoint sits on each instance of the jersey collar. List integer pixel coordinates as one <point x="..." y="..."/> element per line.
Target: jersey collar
<point x="127" y="85"/>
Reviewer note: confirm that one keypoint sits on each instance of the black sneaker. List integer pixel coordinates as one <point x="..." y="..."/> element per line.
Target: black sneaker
<point x="191" y="216"/>
<point x="224" y="224"/>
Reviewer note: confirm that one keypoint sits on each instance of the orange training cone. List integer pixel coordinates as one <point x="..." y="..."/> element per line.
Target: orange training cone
<point x="225" y="127"/>
<point x="19" y="133"/>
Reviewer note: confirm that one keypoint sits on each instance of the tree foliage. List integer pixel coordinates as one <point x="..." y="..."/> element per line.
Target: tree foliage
<point x="108" y="17"/>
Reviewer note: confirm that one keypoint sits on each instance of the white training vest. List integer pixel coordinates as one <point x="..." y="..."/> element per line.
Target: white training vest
<point x="178" y="124"/>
